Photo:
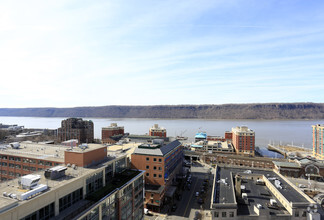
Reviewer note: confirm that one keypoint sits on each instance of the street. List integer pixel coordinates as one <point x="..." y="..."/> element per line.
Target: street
<point x="188" y="204"/>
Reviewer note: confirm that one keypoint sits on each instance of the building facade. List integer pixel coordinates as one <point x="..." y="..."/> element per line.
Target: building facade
<point x="157" y="131"/>
<point x="25" y="158"/>
<point x="110" y="134"/>
<point x="76" y="128"/>
<point x="109" y="190"/>
<point x="243" y="140"/>
<point x="161" y="164"/>
<point x="318" y="144"/>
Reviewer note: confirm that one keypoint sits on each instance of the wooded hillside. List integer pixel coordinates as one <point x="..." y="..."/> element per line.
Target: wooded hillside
<point x="226" y="111"/>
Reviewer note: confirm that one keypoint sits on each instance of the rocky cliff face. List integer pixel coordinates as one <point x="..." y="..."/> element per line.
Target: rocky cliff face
<point x="227" y="111"/>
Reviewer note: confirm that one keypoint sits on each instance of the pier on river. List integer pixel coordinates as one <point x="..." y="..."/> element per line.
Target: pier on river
<point x="278" y="149"/>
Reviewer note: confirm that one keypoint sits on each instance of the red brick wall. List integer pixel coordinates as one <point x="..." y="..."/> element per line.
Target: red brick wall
<point x="32" y="165"/>
<point x="159" y="134"/>
<point x="140" y="162"/>
<point x="84" y="159"/>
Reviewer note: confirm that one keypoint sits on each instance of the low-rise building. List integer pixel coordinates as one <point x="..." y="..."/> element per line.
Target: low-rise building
<point x="112" y="133"/>
<point x="301" y="168"/>
<point x="157" y="131"/>
<point x="213" y="147"/>
<point x="161" y="162"/>
<point x="256" y="194"/>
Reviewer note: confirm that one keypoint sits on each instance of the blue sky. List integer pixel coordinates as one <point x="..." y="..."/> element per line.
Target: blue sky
<point x="95" y="53"/>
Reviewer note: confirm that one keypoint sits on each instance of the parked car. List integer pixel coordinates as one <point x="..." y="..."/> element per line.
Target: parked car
<point x="197" y="194"/>
<point x="200" y="201"/>
<point x="174" y="207"/>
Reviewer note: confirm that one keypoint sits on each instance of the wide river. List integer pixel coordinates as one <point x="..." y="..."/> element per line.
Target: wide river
<point x="296" y="132"/>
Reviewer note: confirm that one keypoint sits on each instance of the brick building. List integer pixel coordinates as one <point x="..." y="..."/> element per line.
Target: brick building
<point x="161" y="163"/>
<point x="243" y="140"/>
<point x="157" y="131"/>
<point x="112" y="133"/>
<point x="302" y="168"/>
<point x="25" y="158"/>
<point x="318" y="142"/>
<point x="76" y="128"/>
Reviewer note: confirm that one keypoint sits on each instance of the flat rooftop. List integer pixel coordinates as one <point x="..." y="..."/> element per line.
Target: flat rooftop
<point x="220" y="144"/>
<point x="224" y="190"/>
<point x="44" y="151"/>
<point x="71" y="174"/>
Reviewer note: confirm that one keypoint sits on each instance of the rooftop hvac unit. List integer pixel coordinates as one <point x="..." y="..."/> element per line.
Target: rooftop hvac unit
<point x="83" y="146"/>
<point x="55" y="172"/>
<point x="278" y="184"/>
<point x="15" y="145"/>
<point x="29" y="181"/>
<point x="273" y="202"/>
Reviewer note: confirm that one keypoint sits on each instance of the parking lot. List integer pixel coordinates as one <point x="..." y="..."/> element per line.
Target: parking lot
<point x="190" y="203"/>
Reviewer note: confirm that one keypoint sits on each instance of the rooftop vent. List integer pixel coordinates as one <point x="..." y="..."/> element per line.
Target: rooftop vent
<point x="29" y="181"/>
<point x="55" y="172"/>
<point x="83" y="146"/>
<point x="14" y="145"/>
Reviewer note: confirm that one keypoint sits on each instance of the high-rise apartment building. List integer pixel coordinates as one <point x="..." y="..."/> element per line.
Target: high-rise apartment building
<point x="318" y="144"/>
<point x="76" y="128"/>
<point x="112" y="133"/>
<point x="157" y="131"/>
<point x="243" y="140"/>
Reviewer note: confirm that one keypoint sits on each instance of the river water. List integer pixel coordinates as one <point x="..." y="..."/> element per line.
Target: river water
<point x="296" y="132"/>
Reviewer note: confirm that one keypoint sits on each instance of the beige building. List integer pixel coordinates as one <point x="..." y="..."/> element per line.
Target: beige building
<point x="105" y="190"/>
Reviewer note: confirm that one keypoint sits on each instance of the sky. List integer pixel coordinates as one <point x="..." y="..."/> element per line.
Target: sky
<point x="96" y="53"/>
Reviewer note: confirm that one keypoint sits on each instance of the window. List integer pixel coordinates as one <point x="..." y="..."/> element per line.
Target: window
<point x="160" y="168"/>
<point x="147" y="174"/>
<point x="154" y="175"/>
<point x="154" y="168"/>
<point x="147" y="167"/>
<point x="296" y="213"/>
<point x="304" y="214"/>
<point x="231" y="214"/>
<point x="70" y="199"/>
<point x="160" y="176"/>
<point x="11" y="158"/>
<point x="154" y="159"/>
<point x="216" y="214"/>
<point x="18" y="159"/>
<point x="160" y="160"/>
<point x="147" y="159"/>
<point x="224" y="214"/>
